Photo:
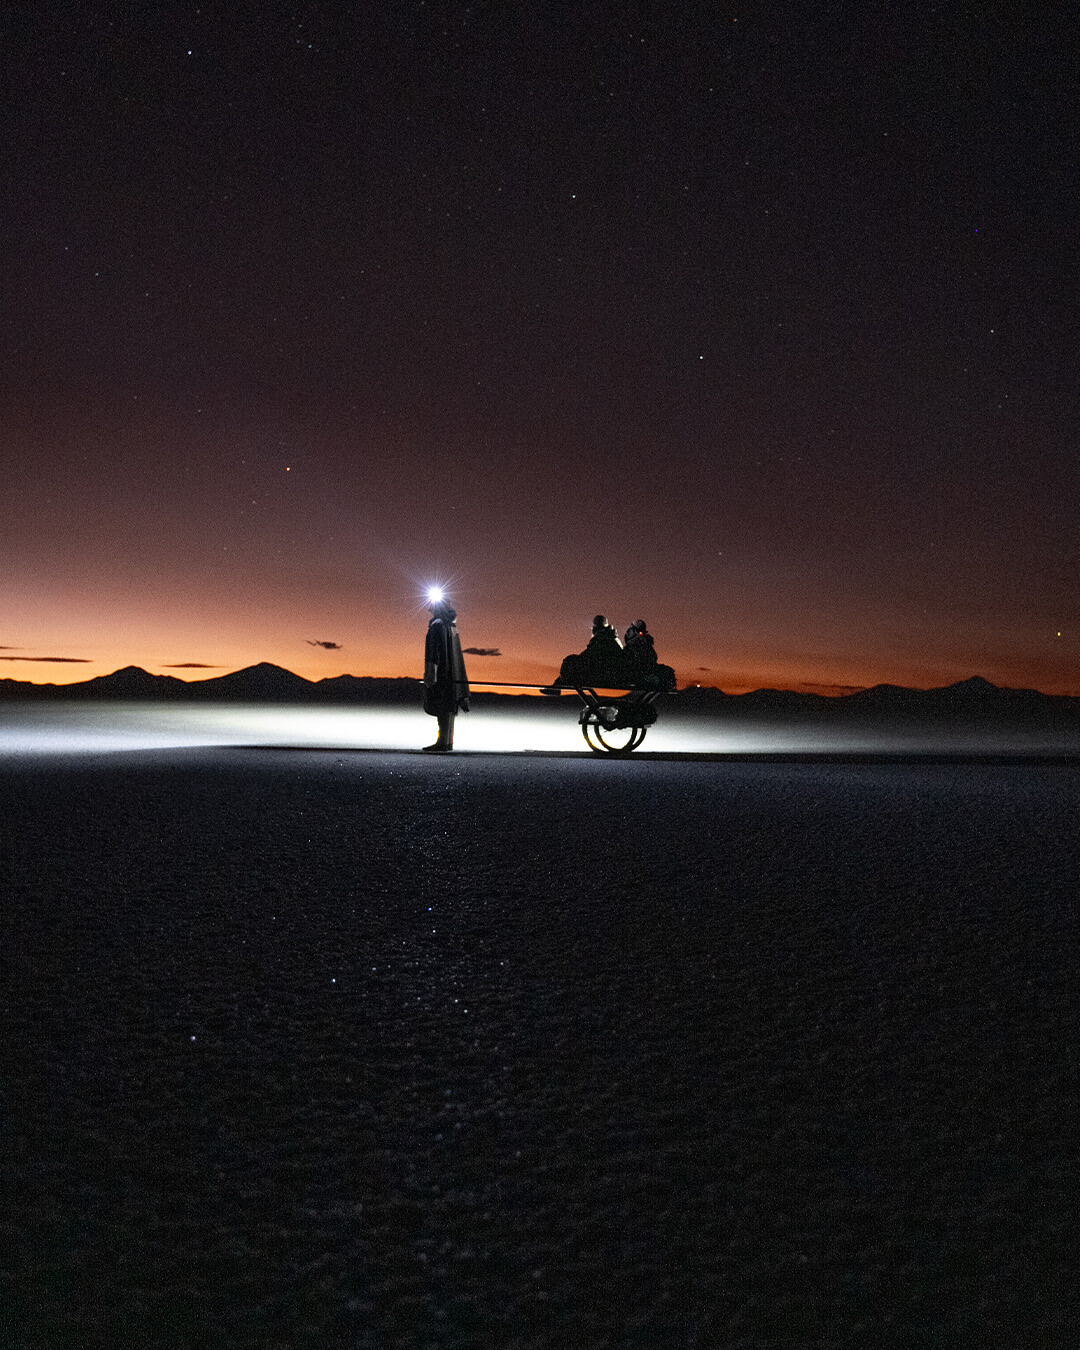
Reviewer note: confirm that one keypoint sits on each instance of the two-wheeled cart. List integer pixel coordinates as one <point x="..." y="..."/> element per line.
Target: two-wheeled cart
<point x="612" y="723"/>
<point x="616" y="726"/>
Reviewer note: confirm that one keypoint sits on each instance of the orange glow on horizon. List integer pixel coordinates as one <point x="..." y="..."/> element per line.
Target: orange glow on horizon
<point x="487" y="672"/>
<point x="195" y="637"/>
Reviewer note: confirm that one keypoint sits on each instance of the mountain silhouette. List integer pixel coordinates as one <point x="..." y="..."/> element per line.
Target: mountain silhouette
<point x="262" y="683"/>
<point x="366" y="689"/>
<point x="132" y="682"/>
<point x="974" y="695"/>
<point x="976" y="699"/>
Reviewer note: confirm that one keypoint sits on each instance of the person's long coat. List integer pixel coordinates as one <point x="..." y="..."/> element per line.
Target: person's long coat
<point x="446" y="686"/>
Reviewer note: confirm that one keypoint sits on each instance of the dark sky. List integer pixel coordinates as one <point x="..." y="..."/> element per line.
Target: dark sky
<point x="758" y="322"/>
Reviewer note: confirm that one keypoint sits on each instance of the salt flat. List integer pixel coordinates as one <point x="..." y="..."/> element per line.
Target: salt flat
<point x="307" y="1047"/>
<point x="33" y="729"/>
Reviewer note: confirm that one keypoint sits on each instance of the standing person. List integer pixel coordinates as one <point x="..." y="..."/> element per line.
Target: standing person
<point x="446" y="686"/>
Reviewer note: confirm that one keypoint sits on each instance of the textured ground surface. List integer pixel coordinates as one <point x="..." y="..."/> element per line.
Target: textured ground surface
<point x="374" y="1050"/>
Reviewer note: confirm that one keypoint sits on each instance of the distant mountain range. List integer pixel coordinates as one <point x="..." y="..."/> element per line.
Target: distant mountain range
<point x="264" y="683"/>
<point x="969" y="700"/>
<point x="975" y="698"/>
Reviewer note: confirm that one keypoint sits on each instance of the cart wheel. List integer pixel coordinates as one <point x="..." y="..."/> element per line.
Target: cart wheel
<point x="620" y="742"/>
<point x="588" y="730"/>
<point x="606" y="740"/>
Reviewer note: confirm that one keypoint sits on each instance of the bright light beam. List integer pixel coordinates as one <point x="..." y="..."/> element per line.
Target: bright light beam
<point x="80" y="728"/>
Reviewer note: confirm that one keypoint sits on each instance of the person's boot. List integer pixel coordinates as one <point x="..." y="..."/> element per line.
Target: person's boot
<point x="444" y="744"/>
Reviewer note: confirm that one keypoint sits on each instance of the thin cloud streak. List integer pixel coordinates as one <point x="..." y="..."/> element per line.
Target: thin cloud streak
<point x="74" y="660"/>
<point x="482" y="651"/>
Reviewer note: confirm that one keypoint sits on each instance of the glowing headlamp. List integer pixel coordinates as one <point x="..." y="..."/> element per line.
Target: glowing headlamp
<point x="435" y="594"/>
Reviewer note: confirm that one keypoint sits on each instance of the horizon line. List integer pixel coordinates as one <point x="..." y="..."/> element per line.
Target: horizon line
<point x="815" y="689"/>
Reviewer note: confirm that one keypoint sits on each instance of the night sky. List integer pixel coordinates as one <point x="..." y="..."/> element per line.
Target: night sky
<point x="757" y="322"/>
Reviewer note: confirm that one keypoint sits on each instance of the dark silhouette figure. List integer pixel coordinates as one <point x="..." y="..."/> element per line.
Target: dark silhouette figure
<point x="639" y="647"/>
<point x="604" y="648"/>
<point x="643" y="670"/>
<point x="601" y="663"/>
<point x="446" y="686"/>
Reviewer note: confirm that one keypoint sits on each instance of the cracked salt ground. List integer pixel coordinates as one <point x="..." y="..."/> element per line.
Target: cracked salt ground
<point x="755" y="1055"/>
